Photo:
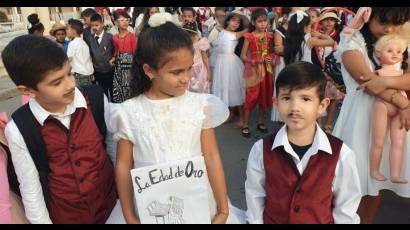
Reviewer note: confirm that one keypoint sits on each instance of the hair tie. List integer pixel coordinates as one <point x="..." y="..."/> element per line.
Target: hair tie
<point x="160" y="19"/>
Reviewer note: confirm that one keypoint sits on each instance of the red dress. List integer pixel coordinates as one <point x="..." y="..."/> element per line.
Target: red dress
<point x="258" y="77"/>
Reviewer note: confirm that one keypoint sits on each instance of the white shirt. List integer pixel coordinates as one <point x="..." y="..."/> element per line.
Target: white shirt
<point x="78" y="53"/>
<point x="345" y="186"/>
<point x="99" y="36"/>
<point x="27" y="174"/>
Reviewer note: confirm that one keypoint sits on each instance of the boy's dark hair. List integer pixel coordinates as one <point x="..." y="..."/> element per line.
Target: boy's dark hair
<point x="77" y="25"/>
<point x="295" y="36"/>
<point x="35" y="24"/>
<point x="152" y="49"/>
<point x="188" y="9"/>
<point x="171" y="10"/>
<point x="191" y="28"/>
<point x="29" y="58"/>
<point x="255" y="15"/>
<point x="301" y="75"/>
<point x="286" y="10"/>
<point x="88" y="12"/>
<point x="385" y="15"/>
<point x="96" y="18"/>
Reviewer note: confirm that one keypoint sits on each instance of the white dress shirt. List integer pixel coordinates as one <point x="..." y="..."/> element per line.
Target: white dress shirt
<point x="78" y="53"/>
<point x="345" y="186"/>
<point x="100" y="36"/>
<point x="27" y="174"/>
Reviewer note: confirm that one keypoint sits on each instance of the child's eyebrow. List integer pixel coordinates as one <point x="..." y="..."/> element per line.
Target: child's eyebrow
<point x="55" y="80"/>
<point x="61" y="77"/>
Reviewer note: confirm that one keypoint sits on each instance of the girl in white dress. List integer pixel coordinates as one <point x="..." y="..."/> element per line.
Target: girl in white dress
<point x="228" y="83"/>
<point x="279" y="38"/>
<point x="164" y="122"/>
<point x="356" y="53"/>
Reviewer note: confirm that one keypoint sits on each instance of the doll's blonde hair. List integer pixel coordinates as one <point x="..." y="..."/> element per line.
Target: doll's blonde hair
<point x="391" y="38"/>
<point x="405" y="32"/>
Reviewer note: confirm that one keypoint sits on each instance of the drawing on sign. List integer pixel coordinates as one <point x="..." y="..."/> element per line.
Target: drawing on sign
<point x="170" y="213"/>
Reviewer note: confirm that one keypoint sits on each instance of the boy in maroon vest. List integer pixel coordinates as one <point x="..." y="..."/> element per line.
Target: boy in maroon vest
<point x="300" y="174"/>
<point x="76" y="180"/>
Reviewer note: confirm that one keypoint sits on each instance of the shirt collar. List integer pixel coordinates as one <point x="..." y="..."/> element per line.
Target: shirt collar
<point x="100" y="36"/>
<point x="320" y="141"/>
<point x="41" y="114"/>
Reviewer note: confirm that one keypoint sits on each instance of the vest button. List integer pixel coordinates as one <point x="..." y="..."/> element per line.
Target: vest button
<point x="73" y="147"/>
<point x="81" y="179"/>
<point x="296" y="208"/>
<point x="77" y="163"/>
<point x="298" y="189"/>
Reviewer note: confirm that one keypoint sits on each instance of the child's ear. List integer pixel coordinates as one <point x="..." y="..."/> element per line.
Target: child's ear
<point x="24" y="90"/>
<point x="148" y="71"/>
<point x="323" y="105"/>
<point x="275" y="101"/>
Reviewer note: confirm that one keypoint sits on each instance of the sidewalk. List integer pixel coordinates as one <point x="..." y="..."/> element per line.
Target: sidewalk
<point x="7" y="88"/>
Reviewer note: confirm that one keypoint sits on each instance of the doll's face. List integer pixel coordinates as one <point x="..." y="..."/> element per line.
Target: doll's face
<point x="391" y="54"/>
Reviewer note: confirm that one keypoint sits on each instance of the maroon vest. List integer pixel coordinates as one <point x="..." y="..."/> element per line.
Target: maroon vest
<point x="292" y="198"/>
<point x="81" y="180"/>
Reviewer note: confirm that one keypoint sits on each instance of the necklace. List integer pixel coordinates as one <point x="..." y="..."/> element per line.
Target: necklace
<point x="263" y="48"/>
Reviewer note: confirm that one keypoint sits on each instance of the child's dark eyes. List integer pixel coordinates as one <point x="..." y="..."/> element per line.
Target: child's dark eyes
<point x="286" y="98"/>
<point x="176" y="72"/>
<point x="56" y="83"/>
<point x="306" y="99"/>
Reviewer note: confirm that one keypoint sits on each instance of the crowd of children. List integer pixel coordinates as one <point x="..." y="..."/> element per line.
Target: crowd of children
<point x="164" y="89"/>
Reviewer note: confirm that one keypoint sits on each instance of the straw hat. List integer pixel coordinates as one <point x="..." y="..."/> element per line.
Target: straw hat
<point x="240" y="14"/>
<point x="57" y="26"/>
<point x="329" y="15"/>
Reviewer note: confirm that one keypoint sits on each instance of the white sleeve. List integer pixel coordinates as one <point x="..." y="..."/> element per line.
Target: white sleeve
<point x="255" y="185"/>
<point x="346" y="189"/>
<point x="109" y="138"/>
<point x="347" y="43"/>
<point x="71" y="50"/>
<point x="215" y="111"/>
<point x="28" y="177"/>
<point x="118" y="123"/>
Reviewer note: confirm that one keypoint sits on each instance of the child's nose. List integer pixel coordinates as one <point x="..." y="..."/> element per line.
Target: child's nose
<point x="187" y="76"/>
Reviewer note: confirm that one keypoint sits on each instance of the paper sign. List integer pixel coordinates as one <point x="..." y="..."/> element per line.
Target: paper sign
<point x="172" y="193"/>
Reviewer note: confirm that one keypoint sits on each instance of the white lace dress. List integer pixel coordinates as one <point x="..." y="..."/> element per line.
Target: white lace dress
<point x="165" y="130"/>
<point x="228" y="82"/>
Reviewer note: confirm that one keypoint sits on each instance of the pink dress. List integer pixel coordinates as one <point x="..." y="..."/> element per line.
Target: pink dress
<point x="11" y="207"/>
<point x="5" y="206"/>
<point x="199" y="82"/>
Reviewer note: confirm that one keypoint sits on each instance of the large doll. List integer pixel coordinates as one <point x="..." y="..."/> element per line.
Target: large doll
<point x="389" y="50"/>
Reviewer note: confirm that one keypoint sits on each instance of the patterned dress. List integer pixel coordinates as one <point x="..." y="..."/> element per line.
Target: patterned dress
<point x="124" y="51"/>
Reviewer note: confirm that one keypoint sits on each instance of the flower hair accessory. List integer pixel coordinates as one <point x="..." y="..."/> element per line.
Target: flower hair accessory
<point x="299" y="15"/>
<point x="160" y="19"/>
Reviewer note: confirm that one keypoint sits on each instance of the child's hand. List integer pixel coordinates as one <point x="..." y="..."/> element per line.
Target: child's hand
<point x="111" y="61"/>
<point x="209" y="76"/>
<point x="315" y="34"/>
<point x="220" y="219"/>
<point x="133" y="220"/>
